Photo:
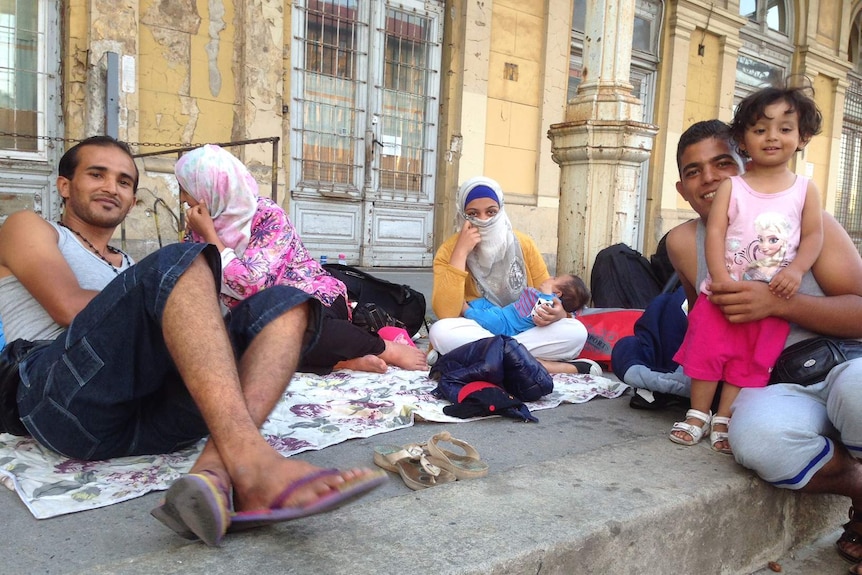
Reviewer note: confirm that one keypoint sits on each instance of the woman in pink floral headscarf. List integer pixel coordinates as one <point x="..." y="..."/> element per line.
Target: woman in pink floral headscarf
<point x="260" y="248"/>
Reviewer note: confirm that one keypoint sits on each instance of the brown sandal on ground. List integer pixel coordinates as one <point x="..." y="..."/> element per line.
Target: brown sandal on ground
<point x="852" y="534"/>
<point x="417" y="468"/>
<point x="465" y="466"/>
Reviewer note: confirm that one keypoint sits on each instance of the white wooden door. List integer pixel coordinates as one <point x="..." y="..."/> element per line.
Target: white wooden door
<point x="364" y="107"/>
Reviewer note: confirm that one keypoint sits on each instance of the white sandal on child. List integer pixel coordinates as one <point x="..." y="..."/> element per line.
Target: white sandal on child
<point x="716" y="437"/>
<point x="694" y="431"/>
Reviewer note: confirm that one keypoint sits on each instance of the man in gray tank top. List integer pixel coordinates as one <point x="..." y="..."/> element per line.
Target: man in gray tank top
<point x="137" y="359"/>
<point x="785" y="432"/>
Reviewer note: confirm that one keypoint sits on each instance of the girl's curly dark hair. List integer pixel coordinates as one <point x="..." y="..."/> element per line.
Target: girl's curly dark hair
<point x="752" y="108"/>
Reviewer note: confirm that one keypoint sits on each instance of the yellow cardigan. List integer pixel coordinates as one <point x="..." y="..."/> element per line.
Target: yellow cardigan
<point x="453" y="287"/>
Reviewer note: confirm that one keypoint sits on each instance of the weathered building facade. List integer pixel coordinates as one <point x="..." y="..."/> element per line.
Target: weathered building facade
<point x="382" y="108"/>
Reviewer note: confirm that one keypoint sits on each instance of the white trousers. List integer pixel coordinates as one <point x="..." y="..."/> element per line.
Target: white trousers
<point x="563" y="340"/>
<point x="784" y="432"/>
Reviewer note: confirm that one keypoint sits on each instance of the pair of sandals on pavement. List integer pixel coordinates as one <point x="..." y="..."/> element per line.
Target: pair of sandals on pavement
<point x="199" y="505"/>
<point x="696" y="433"/>
<point x="424" y="465"/>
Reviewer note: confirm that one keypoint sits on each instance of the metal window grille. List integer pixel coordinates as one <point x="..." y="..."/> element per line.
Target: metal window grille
<point x="22" y="75"/>
<point x="406" y="101"/>
<point x="330" y="78"/>
<point x="848" y="210"/>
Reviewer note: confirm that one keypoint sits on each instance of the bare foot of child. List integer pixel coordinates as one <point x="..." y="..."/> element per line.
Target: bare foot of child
<point x="404" y="356"/>
<point x="369" y="362"/>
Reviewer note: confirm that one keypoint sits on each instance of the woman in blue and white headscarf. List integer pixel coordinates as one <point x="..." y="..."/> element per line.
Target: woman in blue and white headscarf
<point x="489" y="259"/>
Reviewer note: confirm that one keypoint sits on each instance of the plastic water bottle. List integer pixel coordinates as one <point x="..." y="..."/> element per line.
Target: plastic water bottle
<point x="342" y="259"/>
<point x="323" y="260"/>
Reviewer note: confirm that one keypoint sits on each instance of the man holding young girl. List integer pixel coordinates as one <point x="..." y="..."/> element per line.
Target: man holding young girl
<point x="807" y="438"/>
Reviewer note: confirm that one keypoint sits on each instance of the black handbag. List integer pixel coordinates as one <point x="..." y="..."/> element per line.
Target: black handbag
<point x="810" y="360"/>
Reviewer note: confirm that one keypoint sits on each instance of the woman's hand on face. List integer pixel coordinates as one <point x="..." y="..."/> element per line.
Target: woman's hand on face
<point x="546" y="315"/>
<point x="468" y="238"/>
<point x="198" y="220"/>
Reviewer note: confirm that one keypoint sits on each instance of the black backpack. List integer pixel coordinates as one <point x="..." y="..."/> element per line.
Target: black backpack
<point x="623" y="278"/>
<point x="401" y="302"/>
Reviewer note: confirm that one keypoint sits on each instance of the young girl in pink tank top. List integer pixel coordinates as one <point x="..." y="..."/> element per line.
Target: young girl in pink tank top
<point x="765" y="225"/>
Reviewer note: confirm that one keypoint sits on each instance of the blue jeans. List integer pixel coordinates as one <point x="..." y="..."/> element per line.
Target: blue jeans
<point x="107" y="387"/>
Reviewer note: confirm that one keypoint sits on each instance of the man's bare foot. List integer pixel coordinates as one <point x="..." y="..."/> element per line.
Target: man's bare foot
<point x="272" y="480"/>
<point x="370" y="363"/>
<point x="404" y="356"/>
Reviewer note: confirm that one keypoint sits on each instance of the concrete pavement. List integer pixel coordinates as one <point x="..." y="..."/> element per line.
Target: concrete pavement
<point x="592" y="488"/>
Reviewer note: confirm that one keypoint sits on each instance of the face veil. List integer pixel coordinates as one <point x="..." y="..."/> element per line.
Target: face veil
<point x="497" y="262"/>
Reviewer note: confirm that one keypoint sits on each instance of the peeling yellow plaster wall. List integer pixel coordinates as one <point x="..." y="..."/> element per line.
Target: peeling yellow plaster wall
<point x="818" y="151"/>
<point x="701" y="96"/>
<point x="77" y="18"/>
<point x="515" y="95"/>
<point x="187" y="88"/>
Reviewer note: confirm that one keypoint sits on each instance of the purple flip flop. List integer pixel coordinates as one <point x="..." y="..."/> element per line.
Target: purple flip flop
<point x="196" y="506"/>
<point x="341" y="494"/>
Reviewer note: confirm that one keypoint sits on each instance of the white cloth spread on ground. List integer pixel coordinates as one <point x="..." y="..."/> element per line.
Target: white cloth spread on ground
<point x="316" y="412"/>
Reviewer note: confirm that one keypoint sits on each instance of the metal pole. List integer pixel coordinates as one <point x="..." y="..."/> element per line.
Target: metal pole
<point x="112" y="95"/>
<point x="112" y="110"/>
<point x="275" y="170"/>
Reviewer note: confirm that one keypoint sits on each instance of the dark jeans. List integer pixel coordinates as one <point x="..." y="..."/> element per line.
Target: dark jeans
<point x="107" y="387"/>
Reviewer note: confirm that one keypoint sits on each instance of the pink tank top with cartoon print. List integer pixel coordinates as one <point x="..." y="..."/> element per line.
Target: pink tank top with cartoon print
<point x="763" y="229"/>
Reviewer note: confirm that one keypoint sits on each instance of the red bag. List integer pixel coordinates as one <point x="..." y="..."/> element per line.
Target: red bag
<point x="605" y="327"/>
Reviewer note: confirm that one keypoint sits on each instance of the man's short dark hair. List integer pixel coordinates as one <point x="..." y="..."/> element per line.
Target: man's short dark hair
<point x="753" y="108"/>
<point x="69" y="161"/>
<point x="573" y="293"/>
<point x="700" y="131"/>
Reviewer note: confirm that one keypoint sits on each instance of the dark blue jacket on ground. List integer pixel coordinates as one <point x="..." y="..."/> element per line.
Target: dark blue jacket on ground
<point x="658" y="333"/>
<point x="498" y="360"/>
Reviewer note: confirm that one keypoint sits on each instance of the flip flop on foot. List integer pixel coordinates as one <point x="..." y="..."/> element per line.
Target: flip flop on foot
<point x="338" y="496"/>
<point x="196" y="505"/>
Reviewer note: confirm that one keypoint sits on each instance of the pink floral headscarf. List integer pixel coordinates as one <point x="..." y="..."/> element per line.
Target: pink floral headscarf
<point x="218" y="180"/>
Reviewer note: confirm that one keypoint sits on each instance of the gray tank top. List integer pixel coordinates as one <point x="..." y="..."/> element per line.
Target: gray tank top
<point x="23" y="316"/>
<point x="808" y="285"/>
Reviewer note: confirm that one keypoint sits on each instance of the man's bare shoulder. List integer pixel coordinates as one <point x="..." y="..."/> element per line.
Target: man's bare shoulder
<point x="681" y="237"/>
<point x="22" y="232"/>
<point x="24" y="223"/>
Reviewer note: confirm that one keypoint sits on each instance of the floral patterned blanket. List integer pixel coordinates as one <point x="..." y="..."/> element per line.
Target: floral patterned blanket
<point x="316" y="412"/>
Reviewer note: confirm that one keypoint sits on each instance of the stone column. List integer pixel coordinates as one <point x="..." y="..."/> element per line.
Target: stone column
<point x="601" y="145"/>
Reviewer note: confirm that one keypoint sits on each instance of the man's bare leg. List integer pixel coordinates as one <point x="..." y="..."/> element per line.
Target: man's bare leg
<point x="841" y="476"/>
<point x="237" y="453"/>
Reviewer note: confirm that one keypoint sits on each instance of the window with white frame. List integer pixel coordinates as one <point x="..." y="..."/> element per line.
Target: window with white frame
<point x="24" y="76"/>
<point x="767" y="46"/>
